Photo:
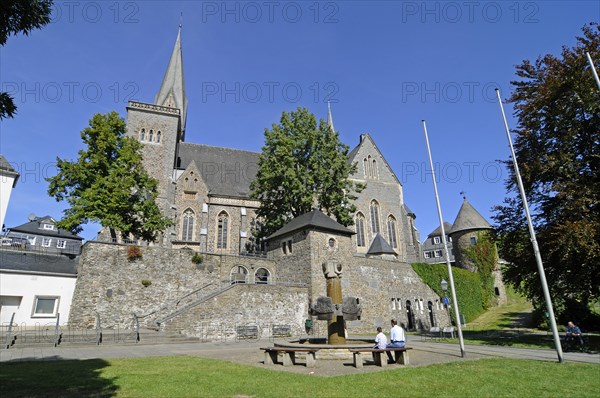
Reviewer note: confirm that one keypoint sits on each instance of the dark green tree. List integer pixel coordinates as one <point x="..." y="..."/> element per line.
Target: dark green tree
<point x="20" y="16"/>
<point x="303" y="165"/>
<point x="557" y="144"/>
<point x="108" y="183"/>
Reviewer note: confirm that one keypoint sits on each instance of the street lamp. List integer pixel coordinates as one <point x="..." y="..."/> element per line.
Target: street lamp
<point x="444" y="284"/>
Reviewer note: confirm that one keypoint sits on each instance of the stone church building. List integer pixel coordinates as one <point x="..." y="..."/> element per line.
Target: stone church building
<point x="206" y="191"/>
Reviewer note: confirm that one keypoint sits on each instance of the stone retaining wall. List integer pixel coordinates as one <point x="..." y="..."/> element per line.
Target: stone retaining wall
<point x="113" y="286"/>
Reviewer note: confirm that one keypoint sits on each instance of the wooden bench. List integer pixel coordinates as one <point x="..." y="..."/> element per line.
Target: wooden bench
<point x="247" y="332"/>
<point x="400" y="355"/>
<point x="289" y="355"/>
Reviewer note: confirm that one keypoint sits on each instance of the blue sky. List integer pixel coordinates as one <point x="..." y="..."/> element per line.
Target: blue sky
<point x="387" y="65"/>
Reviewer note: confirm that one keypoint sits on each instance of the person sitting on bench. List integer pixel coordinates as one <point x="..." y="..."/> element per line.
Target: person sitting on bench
<point x="397" y="338"/>
<point x="574" y="334"/>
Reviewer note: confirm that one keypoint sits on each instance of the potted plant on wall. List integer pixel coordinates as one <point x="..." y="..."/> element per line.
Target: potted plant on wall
<point x="134" y="253"/>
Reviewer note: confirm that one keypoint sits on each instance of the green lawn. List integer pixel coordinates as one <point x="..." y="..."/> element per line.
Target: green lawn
<point x="199" y="377"/>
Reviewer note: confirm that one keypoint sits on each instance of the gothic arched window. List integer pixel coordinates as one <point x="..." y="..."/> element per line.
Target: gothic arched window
<point x="392" y="236"/>
<point x="360" y="230"/>
<point x="158" y="137"/>
<point x="187" y="230"/>
<point x="370" y="168"/>
<point x="366" y="167"/>
<point x="150" y="135"/>
<point x="374" y="169"/>
<point x="143" y="135"/>
<point x="375" y="217"/>
<point x="222" y="229"/>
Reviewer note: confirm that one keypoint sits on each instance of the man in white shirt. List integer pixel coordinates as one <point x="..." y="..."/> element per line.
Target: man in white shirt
<point x="397" y="338"/>
<point x="380" y="339"/>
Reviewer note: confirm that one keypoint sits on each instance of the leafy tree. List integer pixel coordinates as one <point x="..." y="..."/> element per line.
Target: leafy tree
<point x="557" y="144"/>
<point x="303" y="166"/>
<point x="20" y="16"/>
<point x="108" y="183"/>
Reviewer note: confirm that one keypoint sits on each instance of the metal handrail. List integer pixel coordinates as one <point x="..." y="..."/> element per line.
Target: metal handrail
<point x="57" y="335"/>
<point x="98" y="330"/>
<point x="9" y="332"/>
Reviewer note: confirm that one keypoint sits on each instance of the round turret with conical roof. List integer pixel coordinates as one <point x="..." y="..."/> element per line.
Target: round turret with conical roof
<point x="465" y="232"/>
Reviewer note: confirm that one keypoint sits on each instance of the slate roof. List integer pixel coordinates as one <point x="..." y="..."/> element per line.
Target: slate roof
<point x="409" y="211"/>
<point x="173" y="83"/>
<point x="353" y="152"/>
<point x="226" y="171"/>
<point x="314" y="219"/>
<point x="33" y="228"/>
<point x="18" y="260"/>
<point x="438" y="230"/>
<point x="380" y="246"/>
<point x="7" y="169"/>
<point x="468" y="218"/>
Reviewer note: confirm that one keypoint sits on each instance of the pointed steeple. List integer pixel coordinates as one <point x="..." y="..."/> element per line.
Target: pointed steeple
<point x="329" y="117"/>
<point x="172" y="89"/>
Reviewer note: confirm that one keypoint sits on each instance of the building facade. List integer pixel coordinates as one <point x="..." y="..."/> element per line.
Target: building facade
<point x="205" y="275"/>
<point x="8" y="180"/>
<point x="38" y="271"/>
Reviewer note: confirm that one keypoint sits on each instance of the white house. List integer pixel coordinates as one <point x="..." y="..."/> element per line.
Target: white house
<point x="8" y="180"/>
<point x="37" y="281"/>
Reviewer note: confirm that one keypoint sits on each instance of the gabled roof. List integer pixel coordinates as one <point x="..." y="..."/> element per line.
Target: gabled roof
<point x="173" y="85"/>
<point x="33" y="228"/>
<point x="468" y="218"/>
<point x="380" y="246"/>
<point x="7" y="169"/>
<point x="354" y="152"/>
<point x="225" y="171"/>
<point x="314" y="219"/>
<point x="438" y="230"/>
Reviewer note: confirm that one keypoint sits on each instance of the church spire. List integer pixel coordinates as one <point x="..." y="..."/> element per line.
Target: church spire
<point x="329" y="117"/>
<point x="172" y="89"/>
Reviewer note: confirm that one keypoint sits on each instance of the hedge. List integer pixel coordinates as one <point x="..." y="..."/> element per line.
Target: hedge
<point x="468" y="287"/>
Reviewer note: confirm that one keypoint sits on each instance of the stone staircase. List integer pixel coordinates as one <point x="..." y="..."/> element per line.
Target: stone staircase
<point x="189" y="304"/>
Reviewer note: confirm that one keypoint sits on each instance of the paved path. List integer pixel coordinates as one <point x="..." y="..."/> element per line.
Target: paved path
<point x="247" y="352"/>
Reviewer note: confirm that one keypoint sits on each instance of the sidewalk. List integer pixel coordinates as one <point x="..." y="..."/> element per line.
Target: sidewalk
<point x="249" y="353"/>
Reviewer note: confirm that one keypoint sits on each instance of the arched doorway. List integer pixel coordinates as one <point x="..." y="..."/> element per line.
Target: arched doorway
<point x="431" y="317"/>
<point x="239" y="274"/>
<point x="262" y="276"/>
<point x="410" y="316"/>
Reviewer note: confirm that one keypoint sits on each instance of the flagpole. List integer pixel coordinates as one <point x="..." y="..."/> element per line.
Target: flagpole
<point x="593" y="69"/>
<point x="450" y="276"/>
<point x="536" y="249"/>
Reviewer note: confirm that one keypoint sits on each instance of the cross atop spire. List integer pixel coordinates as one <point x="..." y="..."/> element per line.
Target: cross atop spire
<point x="172" y="89"/>
<point x="329" y="117"/>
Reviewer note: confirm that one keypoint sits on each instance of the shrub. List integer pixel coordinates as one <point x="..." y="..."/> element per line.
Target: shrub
<point x="134" y="252"/>
<point x="468" y="287"/>
<point x="146" y="282"/>
<point x="197" y="258"/>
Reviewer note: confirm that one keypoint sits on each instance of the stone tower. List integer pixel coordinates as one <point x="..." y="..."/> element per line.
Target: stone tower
<point x="160" y="127"/>
<point x="465" y="232"/>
